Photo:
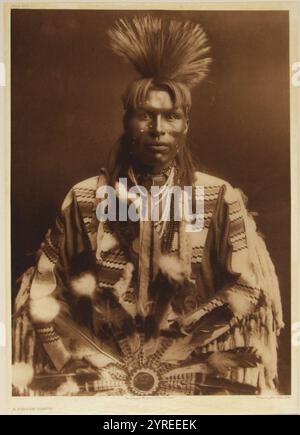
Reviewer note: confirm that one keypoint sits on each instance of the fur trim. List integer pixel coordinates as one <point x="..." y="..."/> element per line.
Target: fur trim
<point x="172" y="267"/>
<point x="108" y="242"/>
<point x="84" y="285"/>
<point x="44" y="310"/>
<point x="68" y="388"/>
<point x="239" y="304"/>
<point x="22" y="374"/>
<point x="122" y="285"/>
<point x="77" y="349"/>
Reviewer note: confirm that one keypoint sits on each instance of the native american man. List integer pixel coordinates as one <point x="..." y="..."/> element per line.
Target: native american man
<point x="147" y="307"/>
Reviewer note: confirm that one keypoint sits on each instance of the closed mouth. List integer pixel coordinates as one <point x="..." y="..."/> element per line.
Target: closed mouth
<point x="158" y="146"/>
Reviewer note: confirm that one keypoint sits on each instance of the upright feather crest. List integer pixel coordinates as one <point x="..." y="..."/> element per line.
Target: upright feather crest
<point x="163" y="48"/>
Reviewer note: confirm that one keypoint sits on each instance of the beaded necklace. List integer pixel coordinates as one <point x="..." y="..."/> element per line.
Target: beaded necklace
<point x="164" y="194"/>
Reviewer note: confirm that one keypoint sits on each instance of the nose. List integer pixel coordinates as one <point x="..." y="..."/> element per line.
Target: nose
<point x="158" y="126"/>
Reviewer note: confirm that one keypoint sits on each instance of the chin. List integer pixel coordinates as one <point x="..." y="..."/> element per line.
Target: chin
<point x="160" y="157"/>
<point x="159" y="162"/>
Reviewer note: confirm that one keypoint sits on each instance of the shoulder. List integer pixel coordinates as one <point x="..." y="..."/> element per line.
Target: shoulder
<point x="85" y="191"/>
<point x="92" y="183"/>
<point x="218" y="187"/>
<point x="207" y="180"/>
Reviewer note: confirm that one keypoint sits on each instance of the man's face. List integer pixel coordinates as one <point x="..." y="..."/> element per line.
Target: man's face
<point x="158" y="130"/>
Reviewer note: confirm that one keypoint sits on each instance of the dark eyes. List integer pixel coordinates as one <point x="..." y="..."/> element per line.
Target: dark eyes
<point x="173" y="115"/>
<point x="144" y="116"/>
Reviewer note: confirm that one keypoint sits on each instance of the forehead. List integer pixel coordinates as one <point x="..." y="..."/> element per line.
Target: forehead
<point x="158" y="99"/>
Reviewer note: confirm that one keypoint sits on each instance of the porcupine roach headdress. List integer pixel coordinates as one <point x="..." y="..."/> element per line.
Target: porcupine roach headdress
<point x="163" y="51"/>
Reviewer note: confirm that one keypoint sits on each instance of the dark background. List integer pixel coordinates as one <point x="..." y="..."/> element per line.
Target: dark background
<point x="66" y="117"/>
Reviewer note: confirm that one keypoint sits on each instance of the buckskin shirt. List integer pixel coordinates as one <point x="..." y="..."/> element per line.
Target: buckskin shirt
<point x="132" y="311"/>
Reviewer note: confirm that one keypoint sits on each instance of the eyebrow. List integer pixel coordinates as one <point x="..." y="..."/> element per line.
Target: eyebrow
<point x="153" y="110"/>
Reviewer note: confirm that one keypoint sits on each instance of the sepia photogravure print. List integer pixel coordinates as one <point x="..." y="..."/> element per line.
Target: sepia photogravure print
<point x="150" y="191"/>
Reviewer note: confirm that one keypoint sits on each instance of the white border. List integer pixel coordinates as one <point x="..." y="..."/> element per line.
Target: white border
<point x="148" y="405"/>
